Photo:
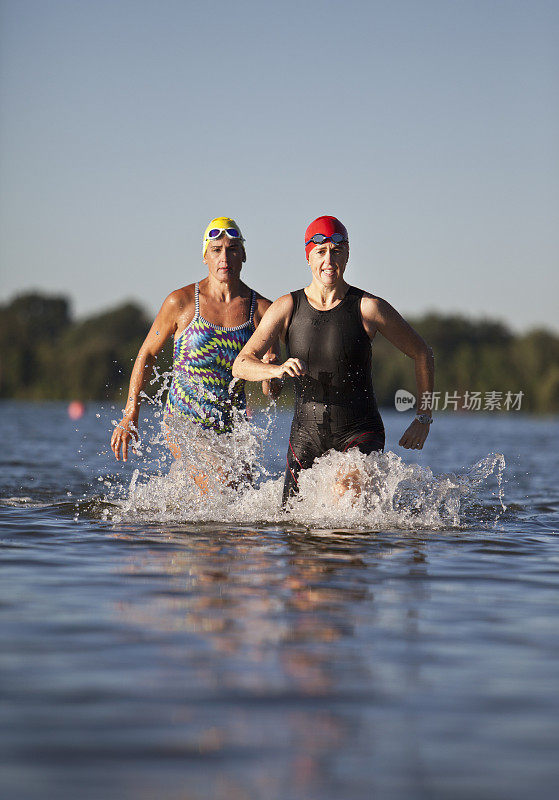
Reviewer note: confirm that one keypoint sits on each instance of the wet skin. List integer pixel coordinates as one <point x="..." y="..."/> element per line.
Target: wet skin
<point x="225" y="301"/>
<point x="327" y="289"/>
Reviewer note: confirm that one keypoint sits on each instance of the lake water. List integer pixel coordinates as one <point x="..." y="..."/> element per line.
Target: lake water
<point x="161" y="644"/>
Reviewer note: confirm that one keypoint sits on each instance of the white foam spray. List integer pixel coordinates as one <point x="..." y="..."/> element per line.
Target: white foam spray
<point x="223" y="478"/>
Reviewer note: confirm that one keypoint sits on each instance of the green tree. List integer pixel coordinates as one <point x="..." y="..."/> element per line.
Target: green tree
<point x="44" y="354"/>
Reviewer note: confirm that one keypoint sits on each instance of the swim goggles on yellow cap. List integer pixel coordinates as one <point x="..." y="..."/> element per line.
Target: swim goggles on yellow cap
<point x="218" y="227"/>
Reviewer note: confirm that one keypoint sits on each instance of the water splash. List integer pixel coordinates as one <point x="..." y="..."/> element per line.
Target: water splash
<point x="384" y="492"/>
<point x="223" y="478"/>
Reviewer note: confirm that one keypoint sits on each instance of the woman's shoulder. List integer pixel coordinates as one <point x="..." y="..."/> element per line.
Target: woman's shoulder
<point x="285" y="302"/>
<point x="179" y="298"/>
<point x="263" y="304"/>
<point x="366" y="298"/>
<point x="277" y="313"/>
<point x="178" y="306"/>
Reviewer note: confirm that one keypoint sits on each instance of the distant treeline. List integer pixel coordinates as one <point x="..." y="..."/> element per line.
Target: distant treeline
<point x="47" y="355"/>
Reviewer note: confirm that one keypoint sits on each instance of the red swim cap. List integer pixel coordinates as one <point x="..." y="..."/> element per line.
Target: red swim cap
<point x="326" y="226"/>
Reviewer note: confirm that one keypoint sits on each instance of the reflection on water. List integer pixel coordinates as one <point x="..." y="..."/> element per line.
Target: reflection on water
<point x="274" y="609"/>
<point x="279" y="663"/>
<point x="245" y="596"/>
<point x="145" y="657"/>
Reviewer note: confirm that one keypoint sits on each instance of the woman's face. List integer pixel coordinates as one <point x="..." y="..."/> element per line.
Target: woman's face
<point x="328" y="262"/>
<point x="224" y="257"/>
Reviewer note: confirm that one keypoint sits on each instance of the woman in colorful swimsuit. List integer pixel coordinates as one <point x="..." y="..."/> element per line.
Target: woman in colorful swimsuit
<point x="328" y="328"/>
<point x="211" y="321"/>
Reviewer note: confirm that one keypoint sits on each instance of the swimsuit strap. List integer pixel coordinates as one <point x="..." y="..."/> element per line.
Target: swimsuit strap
<point x="296" y="296"/>
<point x="252" y="304"/>
<point x="252" y="307"/>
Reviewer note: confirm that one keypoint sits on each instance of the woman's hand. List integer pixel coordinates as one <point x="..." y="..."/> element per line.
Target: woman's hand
<point x="126" y="429"/>
<point x="273" y="386"/>
<point x="293" y="367"/>
<point x="414" y="437"/>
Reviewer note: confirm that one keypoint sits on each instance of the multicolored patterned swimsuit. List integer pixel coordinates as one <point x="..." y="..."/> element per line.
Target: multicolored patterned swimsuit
<point x="203" y="357"/>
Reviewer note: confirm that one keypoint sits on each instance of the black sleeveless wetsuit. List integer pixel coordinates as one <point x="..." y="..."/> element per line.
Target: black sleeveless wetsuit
<point x="335" y="405"/>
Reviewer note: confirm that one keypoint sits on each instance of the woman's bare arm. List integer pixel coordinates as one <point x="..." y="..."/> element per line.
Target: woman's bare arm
<point x="270" y="387"/>
<point x="164" y="326"/>
<point x="379" y="315"/>
<point x="250" y="363"/>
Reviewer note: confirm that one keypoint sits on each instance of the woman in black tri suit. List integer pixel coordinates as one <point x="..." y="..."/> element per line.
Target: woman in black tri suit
<point x="335" y="404"/>
<point x="328" y="328"/>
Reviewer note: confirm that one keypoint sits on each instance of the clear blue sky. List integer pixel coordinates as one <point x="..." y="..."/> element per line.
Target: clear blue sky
<point x="430" y="127"/>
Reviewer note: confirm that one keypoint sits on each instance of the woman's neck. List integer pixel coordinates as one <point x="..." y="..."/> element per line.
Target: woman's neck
<point x="325" y="297"/>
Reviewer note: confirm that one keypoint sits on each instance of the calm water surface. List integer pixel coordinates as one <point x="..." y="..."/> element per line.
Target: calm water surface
<point x="193" y="660"/>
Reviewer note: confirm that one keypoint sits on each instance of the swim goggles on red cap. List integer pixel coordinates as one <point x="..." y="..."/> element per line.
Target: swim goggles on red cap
<point x="320" y="238"/>
<point x="232" y="233"/>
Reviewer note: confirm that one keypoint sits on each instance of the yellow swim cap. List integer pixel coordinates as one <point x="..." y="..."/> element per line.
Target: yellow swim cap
<point x="218" y="227"/>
